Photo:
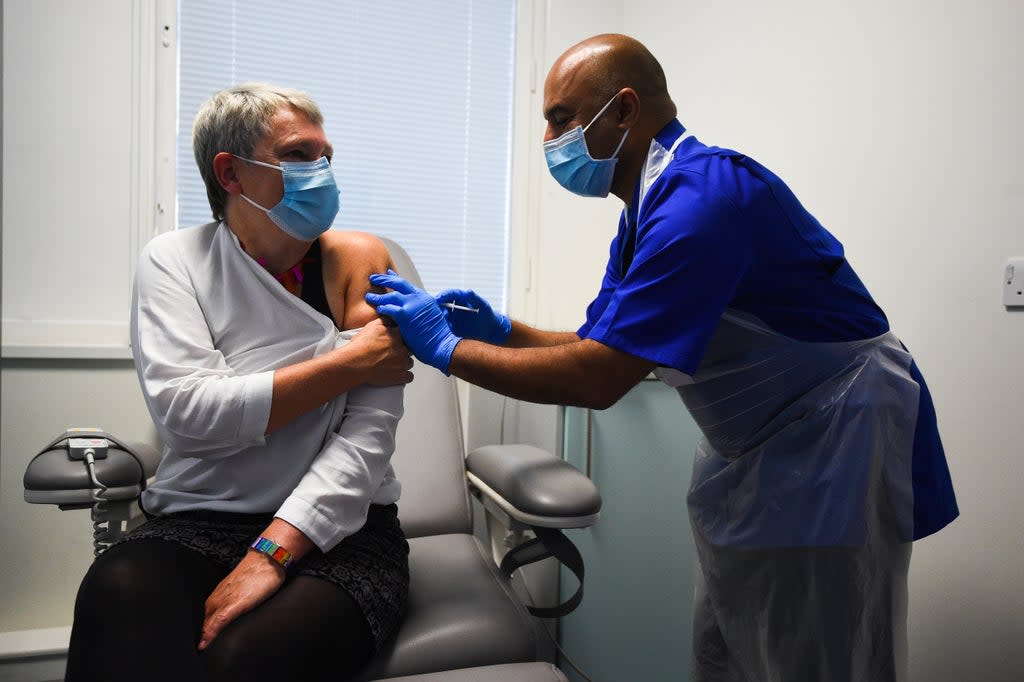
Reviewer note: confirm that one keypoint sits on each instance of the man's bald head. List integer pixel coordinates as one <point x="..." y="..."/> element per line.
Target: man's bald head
<point x="608" y="62"/>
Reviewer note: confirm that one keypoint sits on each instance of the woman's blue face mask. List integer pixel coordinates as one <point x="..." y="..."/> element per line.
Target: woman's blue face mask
<point x="571" y="164"/>
<point x="310" y="202"/>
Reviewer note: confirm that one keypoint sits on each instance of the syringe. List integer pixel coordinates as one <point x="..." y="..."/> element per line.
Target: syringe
<point x="455" y="306"/>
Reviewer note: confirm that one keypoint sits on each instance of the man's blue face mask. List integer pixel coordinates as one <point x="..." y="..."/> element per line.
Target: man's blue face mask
<point x="571" y="164"/>
<point x="310" y="200"/>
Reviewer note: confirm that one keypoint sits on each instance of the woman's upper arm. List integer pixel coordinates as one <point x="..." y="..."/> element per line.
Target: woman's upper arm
<point x="197" y="401"/>
<point x="349" y="258"/>
<point x="168" y="328"/>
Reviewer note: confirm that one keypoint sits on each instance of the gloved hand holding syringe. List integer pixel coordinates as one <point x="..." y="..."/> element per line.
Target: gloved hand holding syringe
<point x="485" y="325"/>
<point x="433" y="325"/>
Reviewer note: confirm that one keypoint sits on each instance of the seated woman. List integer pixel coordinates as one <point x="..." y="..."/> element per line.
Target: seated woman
<point x="272" y="546"/>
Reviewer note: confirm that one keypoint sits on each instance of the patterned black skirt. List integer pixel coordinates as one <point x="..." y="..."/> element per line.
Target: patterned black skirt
<point x="371" y="565"/>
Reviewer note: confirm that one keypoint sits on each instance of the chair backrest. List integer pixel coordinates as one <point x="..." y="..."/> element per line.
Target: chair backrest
<point x="430" y="455"/>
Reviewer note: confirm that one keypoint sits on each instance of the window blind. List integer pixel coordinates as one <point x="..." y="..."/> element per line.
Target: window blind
<point x="417" y="101"/>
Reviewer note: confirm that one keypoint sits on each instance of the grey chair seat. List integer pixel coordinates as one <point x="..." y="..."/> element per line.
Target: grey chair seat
<point x="519" y="672"/>
<point x="461" y="613"/>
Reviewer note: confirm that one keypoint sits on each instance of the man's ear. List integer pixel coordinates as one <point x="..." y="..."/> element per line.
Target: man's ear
<point x="225" y="169"/>
<point x="628" y="108"/>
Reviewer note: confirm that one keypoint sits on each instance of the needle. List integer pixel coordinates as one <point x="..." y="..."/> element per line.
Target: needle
<point x="453" y="306"/>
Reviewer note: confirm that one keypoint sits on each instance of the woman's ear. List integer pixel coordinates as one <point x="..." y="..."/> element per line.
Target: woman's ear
<point x="225" y="169"/>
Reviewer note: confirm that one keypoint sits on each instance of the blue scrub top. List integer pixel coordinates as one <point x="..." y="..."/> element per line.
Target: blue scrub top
<point x="717" y="230"/>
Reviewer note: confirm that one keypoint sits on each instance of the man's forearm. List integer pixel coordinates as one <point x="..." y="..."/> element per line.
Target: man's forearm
<point x="525" y="336"/>
<point x="583" y="373"/>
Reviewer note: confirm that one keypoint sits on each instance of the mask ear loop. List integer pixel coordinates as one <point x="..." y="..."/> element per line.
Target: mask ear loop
<point x="259" y="163"/>
<point x="603" y="109"/>
<point x="265" y="210"/>
<point x="624" y="135"/>
<point x="621" y="142"/>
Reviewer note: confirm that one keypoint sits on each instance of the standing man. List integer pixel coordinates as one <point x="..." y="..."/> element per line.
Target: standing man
<point x="821" y="460"/>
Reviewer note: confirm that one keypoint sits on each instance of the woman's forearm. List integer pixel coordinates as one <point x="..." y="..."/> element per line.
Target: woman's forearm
<point x="305" y="386"/>
<point x="288" y="536"/>
<point x="374" y="356"/>
<point x="333" y="497"/>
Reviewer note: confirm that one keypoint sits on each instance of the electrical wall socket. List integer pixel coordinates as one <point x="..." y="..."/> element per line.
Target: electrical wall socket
<point x="1013" y="283"/>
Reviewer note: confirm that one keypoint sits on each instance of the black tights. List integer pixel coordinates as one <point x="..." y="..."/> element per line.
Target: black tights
<point x="140" y="610"/>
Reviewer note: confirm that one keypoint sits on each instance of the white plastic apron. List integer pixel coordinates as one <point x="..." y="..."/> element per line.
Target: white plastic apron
<point x="800" y="488"/>
<point x="799" y="501"/>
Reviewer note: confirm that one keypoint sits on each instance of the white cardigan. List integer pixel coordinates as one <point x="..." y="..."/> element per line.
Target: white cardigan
<point x="209" y="326"/>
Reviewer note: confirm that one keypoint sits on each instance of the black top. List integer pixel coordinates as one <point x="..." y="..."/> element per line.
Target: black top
<point x="313" y="282"/>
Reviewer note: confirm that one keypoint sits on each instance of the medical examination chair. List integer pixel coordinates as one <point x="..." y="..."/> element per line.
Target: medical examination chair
<point x="466" y="621"/>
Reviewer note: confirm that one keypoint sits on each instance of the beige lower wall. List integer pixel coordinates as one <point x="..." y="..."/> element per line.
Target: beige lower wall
<point x="47" y="551"/>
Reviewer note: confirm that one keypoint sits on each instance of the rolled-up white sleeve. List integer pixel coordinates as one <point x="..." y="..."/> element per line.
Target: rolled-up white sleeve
<point x="332" y="499"/>
<point x="201" y="406"/>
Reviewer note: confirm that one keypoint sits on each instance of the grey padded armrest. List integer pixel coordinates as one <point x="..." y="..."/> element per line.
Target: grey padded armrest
<point x="534" y="486"/>
<point x="53" y="478"/>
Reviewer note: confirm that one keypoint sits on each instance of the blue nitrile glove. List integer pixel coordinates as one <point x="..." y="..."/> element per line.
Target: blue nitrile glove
<point x="485" y="324"/>
<point x="420" y="320"/>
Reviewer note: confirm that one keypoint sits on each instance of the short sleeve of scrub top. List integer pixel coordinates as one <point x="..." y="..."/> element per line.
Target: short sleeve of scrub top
<point x="693" y="249"/>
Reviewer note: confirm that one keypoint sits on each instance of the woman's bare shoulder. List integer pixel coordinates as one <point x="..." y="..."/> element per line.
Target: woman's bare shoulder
<point x="352" y="247"/>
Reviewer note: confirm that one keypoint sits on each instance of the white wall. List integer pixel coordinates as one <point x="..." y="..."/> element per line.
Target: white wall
<point x="559" y="244"/>
<point x="41" y="398"/>
<point x="83" y="166"/>
<point x="898" y="125"/>
<point x="81" y="170"/>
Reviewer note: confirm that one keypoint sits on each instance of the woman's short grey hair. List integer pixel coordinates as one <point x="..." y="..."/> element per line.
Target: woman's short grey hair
<point x="233" y="121"/>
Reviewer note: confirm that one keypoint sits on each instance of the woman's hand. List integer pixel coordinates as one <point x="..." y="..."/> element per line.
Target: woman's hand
<point x="256" y="577"/>
<point x="382" y="354"/>
<point x="375" y="356"/>
<point x="419" y="317"/>
<point x="251" y="583"/>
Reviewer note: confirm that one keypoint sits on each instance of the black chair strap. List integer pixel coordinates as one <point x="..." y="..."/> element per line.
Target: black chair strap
<point x="550" y="542"/>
